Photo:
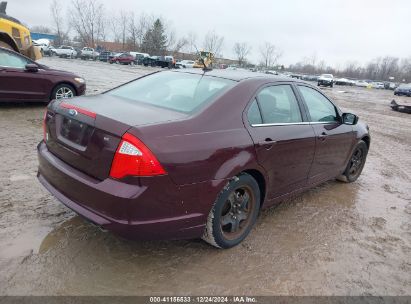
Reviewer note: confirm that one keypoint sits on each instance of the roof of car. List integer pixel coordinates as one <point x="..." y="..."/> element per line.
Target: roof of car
<point x="236" y="75"/>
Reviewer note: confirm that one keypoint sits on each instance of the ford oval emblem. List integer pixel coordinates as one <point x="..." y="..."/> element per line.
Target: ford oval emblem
<point x="72" y="112"/>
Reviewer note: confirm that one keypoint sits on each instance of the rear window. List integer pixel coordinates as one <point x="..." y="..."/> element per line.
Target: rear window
<point x="182" y="92"/>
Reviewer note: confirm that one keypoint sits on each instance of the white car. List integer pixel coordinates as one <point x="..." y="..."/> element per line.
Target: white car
<point x="326" y="80"/>
<point x="185" y="64"/>
<point x="377" y="85"/>
<point x="66" y="51"/>
<point x="89" y="53"/>
<point x="362" y="83"/>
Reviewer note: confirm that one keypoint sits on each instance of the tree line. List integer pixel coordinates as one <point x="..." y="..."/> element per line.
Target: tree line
<point x="89" y="23"/>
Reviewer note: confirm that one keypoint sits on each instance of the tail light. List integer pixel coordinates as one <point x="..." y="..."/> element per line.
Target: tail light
<point x="134" y="158"/>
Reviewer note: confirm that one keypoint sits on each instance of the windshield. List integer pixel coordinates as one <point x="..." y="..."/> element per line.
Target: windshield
<point x="327" y="76"/>
<point x="183" y="92"/>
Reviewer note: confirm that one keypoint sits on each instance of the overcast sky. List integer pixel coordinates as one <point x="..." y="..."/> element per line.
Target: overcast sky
<point x="336" y="31"/>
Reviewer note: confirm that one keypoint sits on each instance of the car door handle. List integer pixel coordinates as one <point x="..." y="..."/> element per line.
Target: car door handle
<point x="323" y="136"/>
<point x="267" y="143"/>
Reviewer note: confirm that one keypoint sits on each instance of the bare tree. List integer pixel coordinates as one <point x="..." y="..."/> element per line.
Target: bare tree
<point x="191" y="42"/>
<point x="123" y="21"/>
<point x="56" y="10"/>
<point x="241" y="49"/>
<point x="87" y="19"/>
<point x="269" y="54"/>
<point x="132" y="31"/>
<point x="142" y="25"/>
<point x="213" y="43"/>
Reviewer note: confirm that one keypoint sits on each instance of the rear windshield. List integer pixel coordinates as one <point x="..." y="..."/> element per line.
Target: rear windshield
<point x="181" y="92"/>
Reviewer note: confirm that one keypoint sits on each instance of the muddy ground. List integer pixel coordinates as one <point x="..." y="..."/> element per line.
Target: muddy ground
<point x="337" y="239"/>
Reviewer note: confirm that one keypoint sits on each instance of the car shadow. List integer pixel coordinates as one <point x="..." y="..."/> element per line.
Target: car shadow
<point x="22" y="104"/>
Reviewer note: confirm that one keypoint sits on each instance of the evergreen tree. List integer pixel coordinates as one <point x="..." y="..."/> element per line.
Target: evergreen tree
<point x="155" y="39"/>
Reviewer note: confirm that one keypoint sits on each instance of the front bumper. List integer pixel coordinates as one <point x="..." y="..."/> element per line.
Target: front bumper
<point x="157" y="209"/>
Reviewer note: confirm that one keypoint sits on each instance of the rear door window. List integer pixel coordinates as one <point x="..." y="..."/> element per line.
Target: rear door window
<point x="254" y="115"/>
<point x="279" y="105"/>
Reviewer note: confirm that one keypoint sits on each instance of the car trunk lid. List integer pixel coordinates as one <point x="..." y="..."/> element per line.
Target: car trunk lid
<point x="85" y="132"/>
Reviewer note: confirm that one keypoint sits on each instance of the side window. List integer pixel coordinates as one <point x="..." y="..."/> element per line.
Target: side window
<point x="13" y="61"/>
<point x="254" y="115"/>
<point x="319" y="107"/>
<point x="279" y="105"/>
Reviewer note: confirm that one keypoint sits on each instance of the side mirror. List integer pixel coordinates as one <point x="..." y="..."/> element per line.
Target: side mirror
<point x="349" y="119"/>
<point x="31" y="67"/>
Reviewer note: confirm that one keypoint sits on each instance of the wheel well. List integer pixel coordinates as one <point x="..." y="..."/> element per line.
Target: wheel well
<point x="260" y="181"/>
<point x="63" y="82"/>
<point x="366" y="139"/>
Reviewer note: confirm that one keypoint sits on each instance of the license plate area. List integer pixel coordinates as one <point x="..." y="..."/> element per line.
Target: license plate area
<point x="75" y="131"/>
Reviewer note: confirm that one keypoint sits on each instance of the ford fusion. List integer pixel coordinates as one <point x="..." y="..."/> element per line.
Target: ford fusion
<point x="190" y="154"/>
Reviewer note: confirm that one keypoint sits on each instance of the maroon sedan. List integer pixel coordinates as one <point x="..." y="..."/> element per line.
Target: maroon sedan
<point x="124" y="58"/>
<point x="22" y="79"/>
<point x="191" y="154"/>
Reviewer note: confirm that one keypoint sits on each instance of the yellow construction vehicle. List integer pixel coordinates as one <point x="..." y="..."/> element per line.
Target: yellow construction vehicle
<point x="15" y="36"/>
<point x="205" y="60"/>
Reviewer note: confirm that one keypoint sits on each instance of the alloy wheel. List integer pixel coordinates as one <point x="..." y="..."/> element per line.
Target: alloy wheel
<point x="236" y="215"/>
<point x="64" y="92"/>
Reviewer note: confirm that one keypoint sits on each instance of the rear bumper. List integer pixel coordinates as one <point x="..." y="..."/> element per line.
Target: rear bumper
<point x="158" y="209"/>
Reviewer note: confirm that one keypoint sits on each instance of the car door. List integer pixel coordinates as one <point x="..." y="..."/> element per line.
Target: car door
<point x="334" y="139"/>
<point x="284" y="141"/>
<point x="18" y="84"/>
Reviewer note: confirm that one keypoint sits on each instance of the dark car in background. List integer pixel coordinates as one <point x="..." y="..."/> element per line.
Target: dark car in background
<point x="22" y="79"/>
<point x="180" y="155"/>
<point x="403" y="89"/>
<point x="105" y="56"/>
<point x="124" y="58"/>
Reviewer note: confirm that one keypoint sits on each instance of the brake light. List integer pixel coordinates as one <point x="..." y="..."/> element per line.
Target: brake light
<point x="134" y="158"/>
<point x="45" y="134"/>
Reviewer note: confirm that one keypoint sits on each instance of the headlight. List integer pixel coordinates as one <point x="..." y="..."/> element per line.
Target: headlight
<point x="79" y="80"/>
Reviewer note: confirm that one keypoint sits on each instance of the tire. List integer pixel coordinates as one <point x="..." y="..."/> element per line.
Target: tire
<point x="356" y="163"/>
<point x="318" y="84"/>
<point x="62" y="89"/>
<point x="237" y="205"/>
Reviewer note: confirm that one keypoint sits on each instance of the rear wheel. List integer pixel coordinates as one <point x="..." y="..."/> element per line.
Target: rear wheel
<point x="234" y="212"/>
<point x="63" y="91"/>
<point x="356" y="163"/>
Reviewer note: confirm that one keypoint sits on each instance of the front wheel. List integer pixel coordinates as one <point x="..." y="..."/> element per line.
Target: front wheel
<point x="63" y="91"/>
<point x="356" y="163"/>
<point x="234" y="212"/>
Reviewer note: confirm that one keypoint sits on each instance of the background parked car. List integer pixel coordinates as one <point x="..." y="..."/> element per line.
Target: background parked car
<point x="377" y="85"/>
<point x="89" y="53"/>
<point x="22" y="79"/>
<point x="185" y="64"/>
<point x="105" y="56"/>
<point x="362" y="83"/>
<point x="65" y="51"/>
<point x="344" y="81"/>
<point x="124" y="58"/>
<point x="403" y="89"/>
<point x="326" y="80"/>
